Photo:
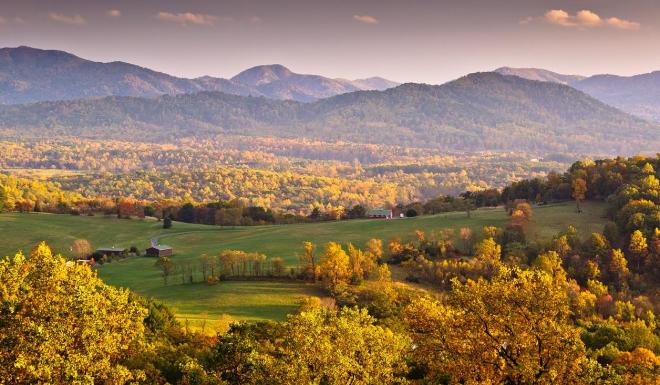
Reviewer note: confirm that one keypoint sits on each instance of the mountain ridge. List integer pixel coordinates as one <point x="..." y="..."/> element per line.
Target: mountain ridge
<point x="32" y="75"/>
<point x="482" y="111"/>
<point x="638" y="94"/>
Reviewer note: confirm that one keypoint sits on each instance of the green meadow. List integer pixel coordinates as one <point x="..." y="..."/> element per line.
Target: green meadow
<point x="232" y="300"/>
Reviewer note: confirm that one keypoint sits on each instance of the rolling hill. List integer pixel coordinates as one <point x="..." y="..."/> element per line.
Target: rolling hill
<point x="481" y="111"/>
<point x="32" y="75"/>
<point x="247" y="300"/>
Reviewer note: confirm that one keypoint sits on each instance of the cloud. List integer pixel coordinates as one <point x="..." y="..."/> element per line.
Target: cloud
<point x="256" y="20"/>
<point x="622" y="24"/>
<point x="366" y="19"/>
<point x="113" y="13"/>
<point x="67" y="19"/>
<point x="187" y="18"/>
<point x="584" y="19"/>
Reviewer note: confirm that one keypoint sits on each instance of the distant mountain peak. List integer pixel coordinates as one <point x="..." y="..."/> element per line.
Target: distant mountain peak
<point x="539" y="74"/>
<point x="263" y="74"/>
<point x="375" y="83"/>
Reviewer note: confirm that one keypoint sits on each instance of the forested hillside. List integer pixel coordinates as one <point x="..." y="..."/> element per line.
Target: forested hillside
<point x="638" y="95"/>
<point x="293" y="175"/>
<point x="484" y="111"/>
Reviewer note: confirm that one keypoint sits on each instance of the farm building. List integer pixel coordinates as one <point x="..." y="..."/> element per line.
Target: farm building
<point x="380" y="214"/>
<point x="159" y="251"/>
<point x="111" y="251"/>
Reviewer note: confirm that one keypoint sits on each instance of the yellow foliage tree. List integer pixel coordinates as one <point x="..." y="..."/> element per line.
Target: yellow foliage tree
<point x="335" y="265"/>
<point x="327" y="347"/>
<point x="60" y="324"/>
<point x="514" y="329"/>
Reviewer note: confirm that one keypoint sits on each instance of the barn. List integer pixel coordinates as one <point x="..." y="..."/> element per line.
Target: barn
<point x="159" y="251"/>
<point x="380" y="214"/>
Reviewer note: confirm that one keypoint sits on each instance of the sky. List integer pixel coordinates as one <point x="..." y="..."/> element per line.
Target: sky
<point x="402" y="40"/>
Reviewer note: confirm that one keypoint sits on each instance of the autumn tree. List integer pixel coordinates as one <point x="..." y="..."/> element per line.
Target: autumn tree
<point x="166" y="267"/>
<point x="308" y="261"/>
<point x="488" y="251"/>
<point x="373" y="255"/>
<point x="638" y="247"/>
<point x="618" y="267"/>
<point x="514" y="329"/>
<point x="278" y="266"/>
<point x="335" y="265"/>
<point x="61" y="324"/>
<point x="578" y="191"/>
<point x="81" y="248"/>
<point x="327" y="347"/>
<point x="356" y="260"/>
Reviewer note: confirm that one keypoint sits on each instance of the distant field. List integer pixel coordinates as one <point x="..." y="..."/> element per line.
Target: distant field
<point x="246" y="300"/>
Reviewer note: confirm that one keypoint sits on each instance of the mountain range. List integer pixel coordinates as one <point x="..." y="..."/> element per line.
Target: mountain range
<point x="31" y="75"/>
<point x="481" y="111"/>
<point x="638" y="95"/>
<point x="50" y="93"/>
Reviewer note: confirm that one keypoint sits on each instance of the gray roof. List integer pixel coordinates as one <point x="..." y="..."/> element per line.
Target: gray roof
<point x="111" y="249"/>
<point x="161" y="247"/>
<point x="379" y="212"/>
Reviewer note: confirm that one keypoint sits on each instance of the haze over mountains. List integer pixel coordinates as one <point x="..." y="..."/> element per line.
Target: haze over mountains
<point x="638" y="95"/>
<point x="31" y="75"/>
<point x="482" y="111"/>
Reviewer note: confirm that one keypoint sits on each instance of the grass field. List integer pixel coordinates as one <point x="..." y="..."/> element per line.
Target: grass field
<point x="246" y="300"/>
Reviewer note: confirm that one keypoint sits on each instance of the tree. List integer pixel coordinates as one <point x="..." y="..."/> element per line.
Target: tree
<point x="308" y="264"/>
<point x="278" y="266"/>
<point x="638" y="247"/>
<point x="466" y="237"/>
<point x="514" y="329"/>
<point x="357" y="211"/>
<point x="372" y="256"/>
<point x="618" y="267"/>
<point x="488" y="251"/>
<point x="166" y="267"/>
<point x="186" y="213"/>
<point x="579" y="190"/>
<point x="167" y="223"/>
<point x="357" y="262"/>
<point x="61" y="324"/>
<point x="335" y="265"/>
<point x="81" y="248"/>
<point x="327" y="347"/>
<point x="316" y="214"/>
<point x="550" y="262"/>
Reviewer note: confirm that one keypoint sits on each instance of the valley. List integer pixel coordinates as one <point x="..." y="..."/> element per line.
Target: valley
<point x="247" y="300"/>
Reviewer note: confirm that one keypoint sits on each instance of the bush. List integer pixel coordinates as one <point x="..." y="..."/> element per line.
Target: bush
<point x="212" y="280"/>
<point x="411" y="213"/>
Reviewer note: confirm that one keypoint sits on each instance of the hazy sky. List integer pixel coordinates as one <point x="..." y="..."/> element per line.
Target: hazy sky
<point x="404" y="40"/>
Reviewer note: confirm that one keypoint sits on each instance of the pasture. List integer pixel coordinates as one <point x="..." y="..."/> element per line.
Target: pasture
<point x="253" y="300"/>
